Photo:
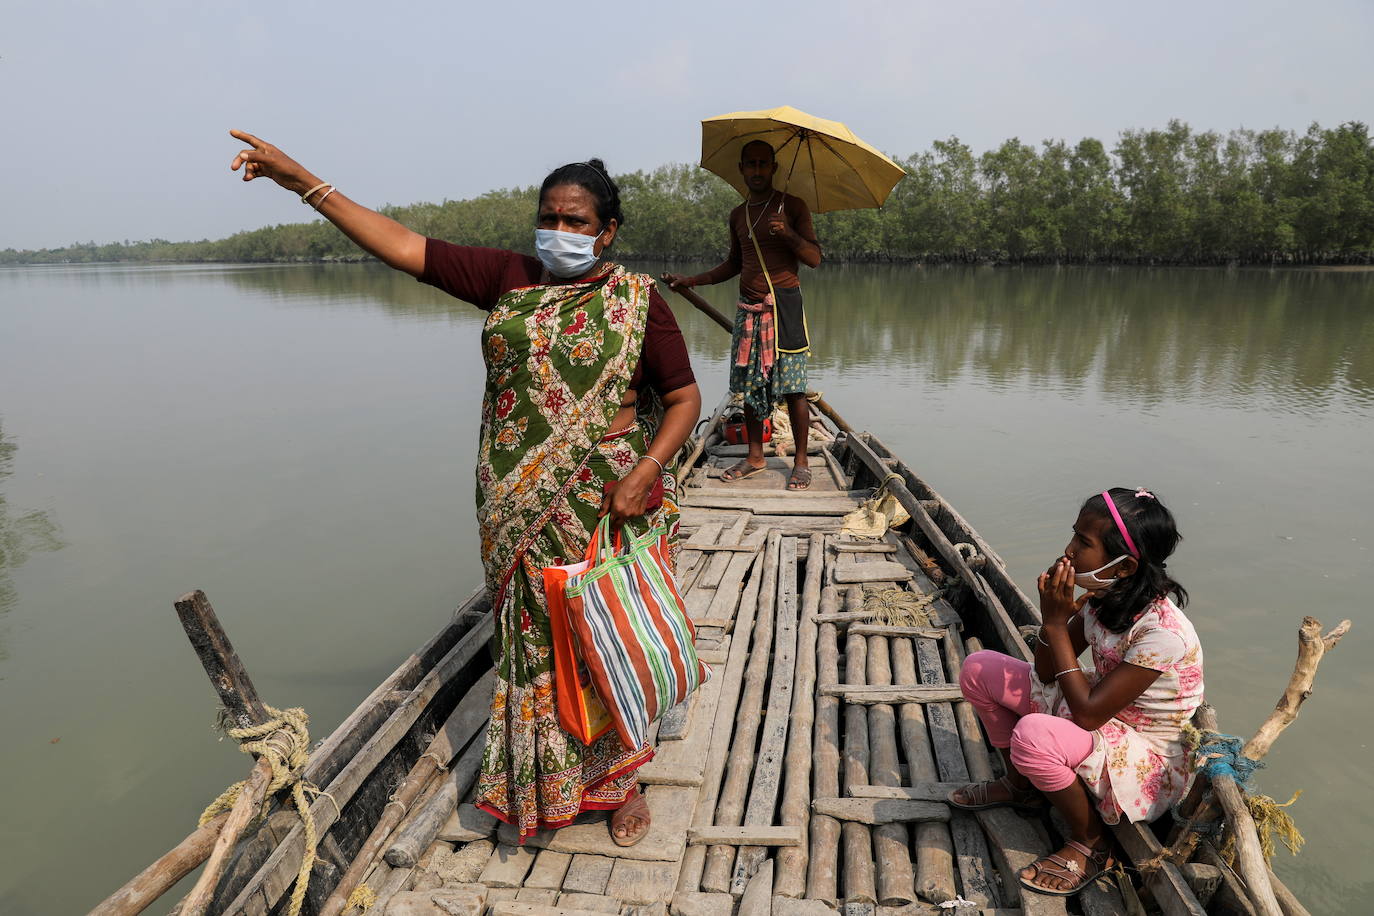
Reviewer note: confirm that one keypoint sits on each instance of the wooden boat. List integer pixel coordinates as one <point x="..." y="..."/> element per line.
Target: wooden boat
<point x="807" y="776"/>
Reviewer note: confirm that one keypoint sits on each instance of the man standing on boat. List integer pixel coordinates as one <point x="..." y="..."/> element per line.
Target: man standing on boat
<point x="770" y="234"/>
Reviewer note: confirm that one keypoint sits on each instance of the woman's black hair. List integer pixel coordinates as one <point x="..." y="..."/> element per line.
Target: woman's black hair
<point x="592" y="177"/>
<point x="1155" y="536"/>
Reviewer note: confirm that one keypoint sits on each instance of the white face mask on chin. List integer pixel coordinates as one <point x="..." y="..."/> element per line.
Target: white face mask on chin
<point x="1088" y="581"/>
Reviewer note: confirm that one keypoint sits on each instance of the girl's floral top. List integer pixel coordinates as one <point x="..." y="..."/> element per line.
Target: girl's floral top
<point x="1138" y="765"/>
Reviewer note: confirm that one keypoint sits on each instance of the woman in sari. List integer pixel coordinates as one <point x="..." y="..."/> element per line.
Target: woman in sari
<point x="589" y="395"/>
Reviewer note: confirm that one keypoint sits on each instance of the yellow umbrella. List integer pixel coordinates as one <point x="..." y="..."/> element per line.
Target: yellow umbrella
<point x="820" y="161"/>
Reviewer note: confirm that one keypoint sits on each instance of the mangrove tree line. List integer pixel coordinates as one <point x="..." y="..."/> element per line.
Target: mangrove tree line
<point x="1170" y="195"/>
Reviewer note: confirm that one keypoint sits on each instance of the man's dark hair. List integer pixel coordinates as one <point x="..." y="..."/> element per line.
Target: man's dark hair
<point x="763" y="143"/>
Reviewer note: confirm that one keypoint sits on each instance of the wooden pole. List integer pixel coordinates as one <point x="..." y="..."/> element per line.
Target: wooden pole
<point x="468" y="717"/>
<point x="1312" y="647"/>
<point x="155" y="880"/>
<point x="704" y="307"/>
<point x="240" y="698"/>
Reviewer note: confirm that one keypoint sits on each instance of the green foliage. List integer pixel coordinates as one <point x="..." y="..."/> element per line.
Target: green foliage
<point x="1170" y="195"/>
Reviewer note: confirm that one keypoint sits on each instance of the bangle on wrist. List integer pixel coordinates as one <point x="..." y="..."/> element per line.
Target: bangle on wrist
<point x="1067" y="671"/>
<point x="305" y="198"/>
<point x="654" y="460"/>
<point x="323" y="197"/>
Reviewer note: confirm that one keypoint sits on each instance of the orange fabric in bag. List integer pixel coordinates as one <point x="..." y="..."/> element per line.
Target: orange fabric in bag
<point x="580" y="711"/>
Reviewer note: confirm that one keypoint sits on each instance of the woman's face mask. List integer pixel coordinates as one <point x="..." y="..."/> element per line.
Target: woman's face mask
<point x="1089" y="581"/>
<point x="565" y="254"/>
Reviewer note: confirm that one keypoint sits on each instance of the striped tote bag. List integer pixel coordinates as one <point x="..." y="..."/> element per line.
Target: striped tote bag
<point x="632" y="631"/>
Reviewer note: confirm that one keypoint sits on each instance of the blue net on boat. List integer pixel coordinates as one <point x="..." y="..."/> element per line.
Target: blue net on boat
<point x="1220" y="755"/>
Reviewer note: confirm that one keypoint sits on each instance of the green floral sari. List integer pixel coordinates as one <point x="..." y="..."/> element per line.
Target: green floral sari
<point x="559" y="360"/>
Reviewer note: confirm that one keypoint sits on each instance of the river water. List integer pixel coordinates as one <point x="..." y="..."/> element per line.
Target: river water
<point x="299" y="441"/>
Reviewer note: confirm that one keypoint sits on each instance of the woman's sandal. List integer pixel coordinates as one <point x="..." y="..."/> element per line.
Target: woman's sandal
<point x="637" y="808"/>
<point x="1027" y="799"/>
<point x="741" y="470"/>
<point x="1056" y="866"/>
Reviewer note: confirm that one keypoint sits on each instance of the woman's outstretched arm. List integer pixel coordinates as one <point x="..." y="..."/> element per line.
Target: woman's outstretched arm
<point x="378" y="235"/>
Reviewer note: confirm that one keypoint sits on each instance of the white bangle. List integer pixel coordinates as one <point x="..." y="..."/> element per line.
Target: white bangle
<point x="654" y="460"/>
<point x="325" y="196"/>
<point x="305" y="198"/>
<point x="1066" y="671"/>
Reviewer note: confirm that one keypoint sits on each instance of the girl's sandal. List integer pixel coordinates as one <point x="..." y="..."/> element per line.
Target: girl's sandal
<point x="1027" y="799"/>
<point x="1056" y="866"/>
<point x="637" y="808"/>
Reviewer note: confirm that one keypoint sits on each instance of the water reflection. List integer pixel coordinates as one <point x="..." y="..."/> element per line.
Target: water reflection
<point x="21" y="534"/>
<point x="1299" y="338"/>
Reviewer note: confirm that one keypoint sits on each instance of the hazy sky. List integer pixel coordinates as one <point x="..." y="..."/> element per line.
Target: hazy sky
<point x="114" y="114"/>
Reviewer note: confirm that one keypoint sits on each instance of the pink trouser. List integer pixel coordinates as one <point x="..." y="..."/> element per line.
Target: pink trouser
<point x="1045" y="749"/>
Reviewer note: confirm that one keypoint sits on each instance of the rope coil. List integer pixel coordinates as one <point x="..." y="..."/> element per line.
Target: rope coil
<point x="899" y="607"/>
<point x="284" y="742"/>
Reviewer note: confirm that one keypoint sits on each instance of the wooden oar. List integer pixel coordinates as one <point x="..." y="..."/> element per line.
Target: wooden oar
<point x="704" y="307"/>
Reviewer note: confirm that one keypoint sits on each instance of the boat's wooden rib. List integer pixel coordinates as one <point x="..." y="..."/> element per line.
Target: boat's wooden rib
<point x="809" y="775"/>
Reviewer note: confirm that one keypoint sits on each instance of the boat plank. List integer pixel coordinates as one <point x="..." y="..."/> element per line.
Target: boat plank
<point x="730" y="808"/>
<point x="789" y="875"/>
<point x="767" y="783"/>
<point x="934" y="845"/>
<point x="588" y="874"/>
<point x="732" y="679"/>
<point x="856" y="839"/>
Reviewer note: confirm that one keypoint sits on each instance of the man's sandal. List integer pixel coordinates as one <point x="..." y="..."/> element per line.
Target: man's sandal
<point x="799" y="479"/>
<point x="636" y="808"/>
<point x="1027" y="799"/>
<point x="1056" y="866"/>
<point x="741" y="470"/>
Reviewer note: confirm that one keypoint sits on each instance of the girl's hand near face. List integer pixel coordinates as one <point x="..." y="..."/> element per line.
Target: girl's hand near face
<point x="1057" y="604"/>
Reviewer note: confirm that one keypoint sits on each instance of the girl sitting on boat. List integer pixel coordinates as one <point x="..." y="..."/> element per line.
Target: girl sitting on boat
<point x="1103" y="742"/>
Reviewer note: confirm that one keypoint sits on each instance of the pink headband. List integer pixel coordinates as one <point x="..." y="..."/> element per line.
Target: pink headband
<point x="1120" y="525"/>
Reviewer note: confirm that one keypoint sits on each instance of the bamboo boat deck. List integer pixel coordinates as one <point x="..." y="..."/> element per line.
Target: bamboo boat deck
<point x="808" y="776"/>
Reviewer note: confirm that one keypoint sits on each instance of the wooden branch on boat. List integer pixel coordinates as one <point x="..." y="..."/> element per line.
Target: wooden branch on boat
<point x="275" y="875"/>
<point x="245" y="709"/>
<point x="467" y="719"/>
<point x="719" y="859"/>
<point x="148" y="885"/>
<point x="1250" y="861"/>
<point x="789" y="872"/>
<point x="1312" y="646"/>
<point x="832" y="414"/>
<point x="413" y="838"/>
<point x="227" y="674"/>
<point x="712" y="426"/>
